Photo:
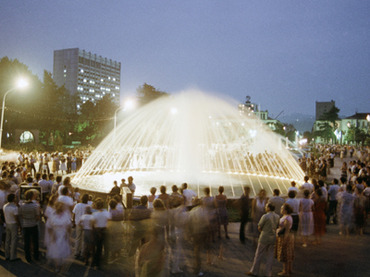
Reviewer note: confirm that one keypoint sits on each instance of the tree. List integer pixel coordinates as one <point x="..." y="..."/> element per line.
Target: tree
<point x="356" y="134"/>
<point x="324" y="131"/>
<point x="331" y="116"/>
<point x="147" y="93"/>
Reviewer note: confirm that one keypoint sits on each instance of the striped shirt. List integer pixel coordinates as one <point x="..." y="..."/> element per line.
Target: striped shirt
<point x="29" y="214"/>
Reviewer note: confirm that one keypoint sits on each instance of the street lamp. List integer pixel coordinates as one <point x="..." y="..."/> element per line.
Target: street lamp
<point x="21" y="83"/>
<point x="129" y="104"/>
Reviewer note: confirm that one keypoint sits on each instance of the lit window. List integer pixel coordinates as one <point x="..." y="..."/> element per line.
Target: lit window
<point x="114" y="79"/>
<point x="78" y="106"/>
<point x="113" y="94"/>
<point x="107" y="89"/>
<point x="117" y="87"/>
<point x="103" y="92"/>
<point x="101" y="80"/>
<point x="85" y="80"/>
<point x="91" y="90"/>
<point x="92" y="82"/>
<point x="108" y="77"/>
<point x="65" y="70"/>
<point x="82" y="71"/>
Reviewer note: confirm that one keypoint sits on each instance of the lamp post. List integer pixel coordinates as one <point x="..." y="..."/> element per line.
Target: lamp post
<point x="21" y="83"/>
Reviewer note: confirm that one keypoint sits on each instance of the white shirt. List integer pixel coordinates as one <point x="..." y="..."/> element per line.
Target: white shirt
<point x="79" y="211"/>
<point x="189" y="195"/>
<point x="87" y="221"/>
<point x="308" y="186"/>
<point x="293" y="189"/>
<point x="68" y="201"/>
<point x="101" y="218"/>
<point x="10" y="213"/>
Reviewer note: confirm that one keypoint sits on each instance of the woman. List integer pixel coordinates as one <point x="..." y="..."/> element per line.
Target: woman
<point x="115" y="230"/>
<point x="50" y="210"/>
<point x="306" y="216"/>
<point x="285" y="240"/>
<point x="319" y="216"/>
<point x="258" y="210"/>
<point x="152" y="197"/>
<point x="223" y="217"/>
<point x="294" y="204"/>
<point x="346" y="202"/>
<point x="343" y="170"/>
<point x="59" y="229"/>
<point x="323" y="170"/>
<point x="360" y="211"/>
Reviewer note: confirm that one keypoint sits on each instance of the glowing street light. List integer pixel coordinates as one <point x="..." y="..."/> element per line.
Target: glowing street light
<point x="20" y="84"/>
<point x="128" y="105"/>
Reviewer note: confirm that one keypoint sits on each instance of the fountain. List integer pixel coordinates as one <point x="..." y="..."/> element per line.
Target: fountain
<point x="195" y="138"/>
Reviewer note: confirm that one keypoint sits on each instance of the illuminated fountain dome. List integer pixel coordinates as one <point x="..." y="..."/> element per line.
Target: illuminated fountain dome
<point x="195" y="138"/>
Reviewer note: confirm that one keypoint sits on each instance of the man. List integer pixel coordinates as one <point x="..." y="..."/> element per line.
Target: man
<point x="29" y="214"/>
<point x="333" y="202"/>
<point x="115" y="190"/>
<point x="131" y="185"/>
<point x="189" y="195"/>
<point x="266" y="242"/>
<point x="45" y="188"/>
<point x="245" y="204"/>
<point x="293" y="187"/>
<point x="12" y="223"/>
<point x="277" y="201"/>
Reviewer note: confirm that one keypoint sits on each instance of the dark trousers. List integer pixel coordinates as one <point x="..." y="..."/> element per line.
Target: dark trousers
<point x="332" y="211"/>
<point x="99" y="236"/>
<point x="243" y="223"/>
<point x="31" y="234"/>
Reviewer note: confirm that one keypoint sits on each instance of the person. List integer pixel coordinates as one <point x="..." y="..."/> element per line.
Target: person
<point x="360" y="210"/>
<point x="29" y="213"/>
<point x="293" y="187"/>
<point x="140" y="219"/>
<point x="45" y="188"/>
<point x="131" y="185"/>
<point x="3" y="193"/>
<point x="319" y="216"/>
<point x="307" y="185"/>
<point x="294" y="203"/>
<point x="164" y="197"/>
<point x="306" y="216"/>
<point x="189" y="195"/>
<point x="12" y="224"/>
<point x="77" y="212"/>
<point x="266" y="242"/>
<point x="258" y="210"/>
<point x="115" y="190"/>
<point x="285" y="241"/>
<point x="101" y="217"/>
<point x="199" y="226"/>
<point x="50" y="209"/>
<point x="346" y="201"/>
<point x="176" y="199"/>
<point x="333" y="202"/>
<point x="86" y="223"/>
<point x="212" y="217"/>
<point x="59" y="230"/>
<point x="114" y="231"/>
<point x="152" y="197"/>
<point x="277" y="201"/>
<point x="245" y="204"/>
<point x="66" y="199"/>
<point x="223" y="217"/>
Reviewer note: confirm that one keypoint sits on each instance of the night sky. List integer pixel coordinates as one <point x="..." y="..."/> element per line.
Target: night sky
<point x="284" y="54"/>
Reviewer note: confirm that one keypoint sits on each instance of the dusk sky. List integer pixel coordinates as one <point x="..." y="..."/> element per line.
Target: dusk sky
<point x="284" y="54"/>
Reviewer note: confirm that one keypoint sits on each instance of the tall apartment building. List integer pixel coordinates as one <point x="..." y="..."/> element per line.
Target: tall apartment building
<point x="323" y="107"/>
<point x="87" y="76"/>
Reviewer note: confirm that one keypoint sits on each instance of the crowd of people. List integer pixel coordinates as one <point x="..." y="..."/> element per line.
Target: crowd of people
<point x="49" y="213"/>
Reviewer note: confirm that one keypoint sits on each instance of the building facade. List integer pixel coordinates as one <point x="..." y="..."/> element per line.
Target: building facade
<point x="87" y="76"/>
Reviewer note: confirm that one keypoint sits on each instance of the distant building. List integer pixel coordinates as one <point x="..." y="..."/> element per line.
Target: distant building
<point x="87" y="76"/>
<point x="323" y="107"/>
<point x="250" y="108"/>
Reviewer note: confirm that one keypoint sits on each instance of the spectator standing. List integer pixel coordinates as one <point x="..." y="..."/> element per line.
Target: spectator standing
<point x="277" y="201"/>
<point x="29" y="213"/>
<point x="245" y="205"/>
<point x="266" y="242"/>
<point x="333" y="202"/>
<point x="77" y="213"/>
<point x="12" y="224"/>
